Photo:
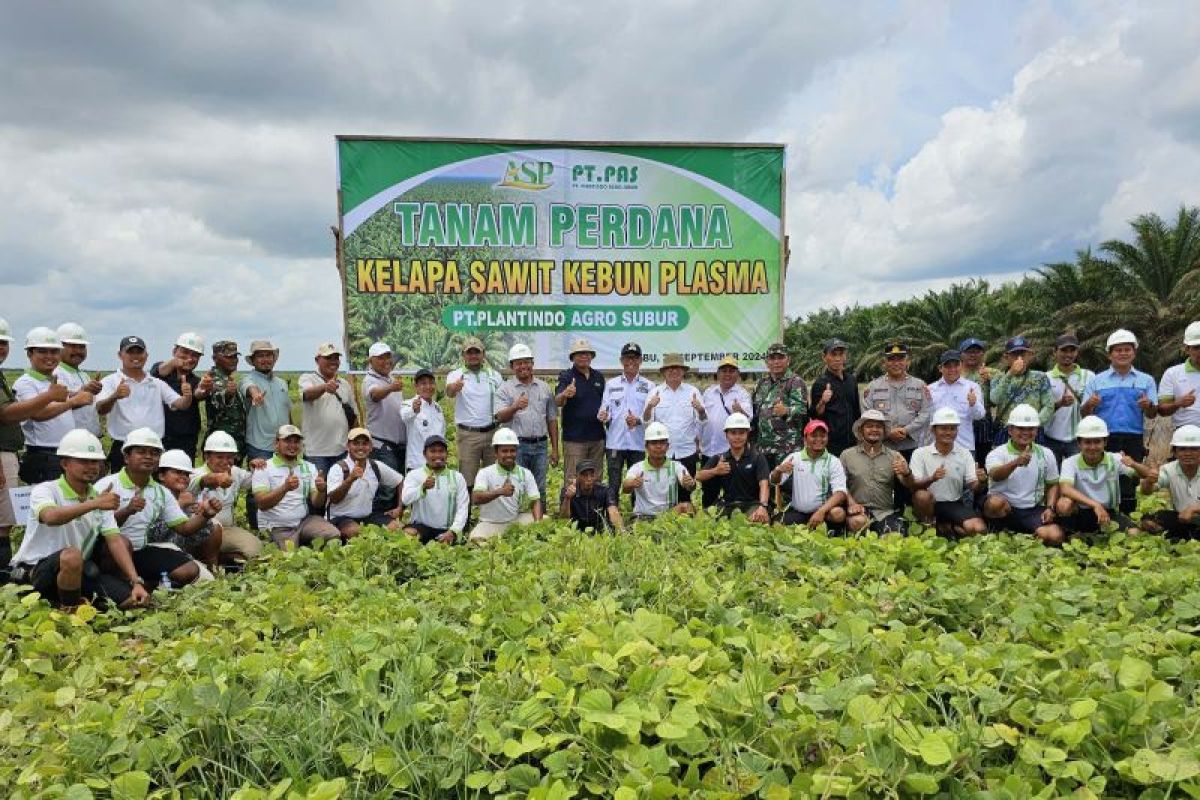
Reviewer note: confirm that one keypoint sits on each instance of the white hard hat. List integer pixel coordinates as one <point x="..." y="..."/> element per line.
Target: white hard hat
<point x="80" y="443"/>
<point x="379" y="349"/>
<point x="1091" y="428"/>
<point x="42" y="336"/>
<point x="5" y="331"/>
<point x="1120" y="336"/>
<point x="142" y="437"/>
<point x="1191" y="336"/>
<point x="220" y="442"/>
<point x="191" y="341"/>
<point x="518" y="351"/>
<point x="737" y="422"/>
<point x="504" y="436"/>
<point x="72" y="333"/>
<point x="176" y="459"/>
<point x="945" y="416"/>
<point x="657" y="432"/>
<point x="1186" y="436"/>
<point x="1024" y="416"/>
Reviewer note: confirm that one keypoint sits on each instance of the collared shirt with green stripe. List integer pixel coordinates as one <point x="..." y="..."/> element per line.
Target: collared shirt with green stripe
<point x="161" y="506"/>
<point x="42" y="540"/>
<point x="442" y="507"/>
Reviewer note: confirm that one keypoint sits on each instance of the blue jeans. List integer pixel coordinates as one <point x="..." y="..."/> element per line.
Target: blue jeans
<point x="325" y="463"/>
<point x="252" y="453"/>
<point x="533" y="457"/>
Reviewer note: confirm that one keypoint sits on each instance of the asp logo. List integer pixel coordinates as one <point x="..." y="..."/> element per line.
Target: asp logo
<point x="531" y="175"/>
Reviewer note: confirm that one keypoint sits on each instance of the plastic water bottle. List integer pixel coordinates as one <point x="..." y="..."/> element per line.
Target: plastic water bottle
<point x="164" y="582"/>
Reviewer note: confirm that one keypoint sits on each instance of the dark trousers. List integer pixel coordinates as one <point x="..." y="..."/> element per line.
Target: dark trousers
<point x="1134" y="446"/>
<point x="616" y="462"/>
<point x="116" y="456"/>
<point x="710" y="491"/>
<point x="982" y="428"/>
<point x="901" y="493"/>
<point x="39" y="465"/>
<point x="185" y="443"/>
<point x="1062" y="450"/>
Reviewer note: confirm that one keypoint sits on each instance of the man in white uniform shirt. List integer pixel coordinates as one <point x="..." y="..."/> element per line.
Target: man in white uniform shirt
<point x="220" y="477"/>
<point x="45" y="428"/>
<point x="383" y="397"/>
<point x="353" y="485"/>
<point x="962" y="396"/>
<point x="74" y="353"/>
<point x="506" y="493"/>
<point x="678" y="406"/>
<point x="658" y="484"/>
<point x="436" y="496"/>
<point x="1067" y="382"/>
<point x="725" y="397"/>
<point x="943" y="477"/>
<point x="285" y="489"/>
<point x="818" y="481"/>
<point x="1024" y="478"/>
<point x="1179" y="384"/>
<point x="1089" y="488"/>
<point x="473" y="388"/>
<point x="327" y="409"/>
<point x="132" y="398"/>
<point x="621" y="412"/>
<point x="422" y="417"/>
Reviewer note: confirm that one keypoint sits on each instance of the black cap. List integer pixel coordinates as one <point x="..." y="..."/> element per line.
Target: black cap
<point x="948" y="356"/>
<point x="423" y="372"/>
<point x="777" y="349"/>
<point x="631" y="349"/>
<point x="895" y="349"/>
<point x="835" y="344"/>
<point x="1066" y="340"/>
<point x="130" y="342"/>
<point x="968" y="343"/>
<point x="434" y="440"/>
<point x="584" y="466"/>
<point x="1017" y="344"/>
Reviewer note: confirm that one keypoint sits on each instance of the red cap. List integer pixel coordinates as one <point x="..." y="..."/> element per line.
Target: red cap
<point x="813" y="424"/>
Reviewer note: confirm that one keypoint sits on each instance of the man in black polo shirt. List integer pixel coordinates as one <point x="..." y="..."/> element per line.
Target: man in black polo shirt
<point x="578" y="394"/>
<point x="587" y="502"/>
<point x="835" y="398"/>
<point x="742" y="474"/>
<point x="182" y="427"/>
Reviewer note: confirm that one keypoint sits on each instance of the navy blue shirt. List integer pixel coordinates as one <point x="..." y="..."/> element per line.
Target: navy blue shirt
<point x="591" y="510"/>
<point x="578" y="417"/>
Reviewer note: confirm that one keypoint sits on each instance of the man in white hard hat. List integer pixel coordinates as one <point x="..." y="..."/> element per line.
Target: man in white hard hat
<point x="74" y="353"/>
<point x="1067" y="382"/>
<point x="473" y="387"/>
<point x="146" y="503"/>
<point x="505" y="492"/>
<point x="1089" y="488"/>
<point x="354" y="485"/>
<point x="1124" y="398"/>
<point x="525" y="404"/>
<point x="268" y="408"/>
<point x="621" y="413"/>
<point x="1024" y="478"/>
<point x="1179" y="384"/>
<point x="740" y="474"/>
<point x="944" y="479"/>
<point x="285" y="489"/>
<point x="872" y="469"/>
<point x="133" y="398"/>
<point x="220" y="477"/>
<point x="1181" y="479"/>
<point x="174" y="473"/>
<point x="182" y="426"/>
<point x="327" y="409"/>
<point x="817" y="479"/>
<point x="67" y="519"/>
<point x="579" y="393"/>
<point x="422" y="417"/>
<point x="45" y="428"/>
<point x="658" y="484"/>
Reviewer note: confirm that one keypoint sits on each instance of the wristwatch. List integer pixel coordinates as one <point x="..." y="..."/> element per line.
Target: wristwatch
<point x="136" y="580"/>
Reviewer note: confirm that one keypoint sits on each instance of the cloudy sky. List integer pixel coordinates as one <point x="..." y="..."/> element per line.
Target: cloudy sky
<point x="170" y="166"/>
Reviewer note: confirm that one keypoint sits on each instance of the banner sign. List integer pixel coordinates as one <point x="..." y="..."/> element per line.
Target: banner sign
<point x="676" y="247"/>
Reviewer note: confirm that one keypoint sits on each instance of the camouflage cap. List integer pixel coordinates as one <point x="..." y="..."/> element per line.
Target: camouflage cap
<point x="777" y="349"/>
<point x="472" y="343"/>
<point x="225" y="347"/>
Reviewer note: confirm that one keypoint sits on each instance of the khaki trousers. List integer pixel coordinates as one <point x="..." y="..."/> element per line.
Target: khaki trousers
<point x="474" y="452"/>
<point x="488" y="530"/>
<point x="573" y="453"/>
<point x="310" y="528"/>
<point x="240" y="543"/>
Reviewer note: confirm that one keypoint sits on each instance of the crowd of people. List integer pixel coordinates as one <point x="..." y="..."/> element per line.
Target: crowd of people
<point x="1049" y="453"/>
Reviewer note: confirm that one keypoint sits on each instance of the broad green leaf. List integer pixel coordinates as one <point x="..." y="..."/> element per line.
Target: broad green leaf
<point x="1081" y="709"/>
<point x="131" y="786"/>
<point x="934" y="750"/>
<point x="921" y="783"/>
<point x="1133" y="672"/>
<point x="864" y="709"/>
<point x="327" y="790"/>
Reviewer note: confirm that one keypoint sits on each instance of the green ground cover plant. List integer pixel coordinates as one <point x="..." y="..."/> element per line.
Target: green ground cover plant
<point x="686" y="658"/>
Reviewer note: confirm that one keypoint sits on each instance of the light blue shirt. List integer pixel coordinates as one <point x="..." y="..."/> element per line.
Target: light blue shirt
<point x="1119" y="399"/>
<point x="263" y="422"/>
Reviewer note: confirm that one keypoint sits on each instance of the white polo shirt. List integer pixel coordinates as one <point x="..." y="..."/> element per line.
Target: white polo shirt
<point x="42" y="540"/>
<point x="814" y="480"/>
<point x="383" y="416"/>
<point x="476" y="403"/>
<point x="506" y="509"/>
<point x="420" y="425"/>
<point x="1061" y="426"/>
<point x="1101" y="482"/>
<point x="41" y="433"/>
<point x="143" y="408"/>
<point x="1176" y="382"/>
<point x="360" y="498"/>
<point x="960" y="470"/>
<point x="293" y="507"/>
<point x="1184" y="492"/>
<point x="683" y="422"/>
<point x="324" y="420"/>
<point x="623" y="396"/>
<point x="227" y="495"/>
<point x="660" y="489"/>
<point x="719" y="405"/>
<point x="1026" y="486"/>
<point x="444" y="507"/>
<point x="161" y="506"/>
<point x="86" y="417"/>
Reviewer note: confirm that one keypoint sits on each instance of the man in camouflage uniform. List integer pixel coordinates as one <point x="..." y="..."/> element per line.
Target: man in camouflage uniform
<point x="225" y="407"/>
<point x="780" y="408"/>
<point x="905" y="401"/>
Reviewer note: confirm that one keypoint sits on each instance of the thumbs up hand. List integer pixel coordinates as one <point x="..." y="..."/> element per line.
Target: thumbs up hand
<point x="185" y="389"/>
<point x="737" y="407"/>
<point x="787" y="464"/>
<point x="108" y="501"/>
<point x="939" y="473"/>
<point x="357" y="473"/>
<point x="696" y="404"/>
<point x="899" y="465"/>
<point x="603" y="415"/>
<point x="522" y="402"/>
<point x="631" y="420"/>
<point x="80" y="399"/>
<point x="1018" y="366"/>
<point x="332" y="386"/>
<point x="1068" y="398"/>
<point x="972" y="396"/>
<point x="654" y="400"/>
<point x="94" y="387"/>
<point x="827" y="395"/>
<point x="136" y="503"/>
<point x="1144" y="402"/>
<point x="257" y="398"/>
<point x="319" y="482"/>
<point x="57" y="392"/>
<point x="416" y="405"/>
<point x="722" y="467"/>
<point x="1127" y="460"/>
<point x="1188" y="399"/>
<point x="569" y="392"/>
<point x="571" y="489"/>
<point x="206" y="383"/>
<point x="292" y="482"/>
<point x="779" y="409"/>
<point x="430" y="482"/>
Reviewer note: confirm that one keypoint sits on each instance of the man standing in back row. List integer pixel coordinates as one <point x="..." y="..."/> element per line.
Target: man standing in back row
<point x="526" y="405"/>
<point x="780" y="405"/>
<point x="579" y="393"/>
<point x="835" y="397"/>
<point x="473" y="388"/>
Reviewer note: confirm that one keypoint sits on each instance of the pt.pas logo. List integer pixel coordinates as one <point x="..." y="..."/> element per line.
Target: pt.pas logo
<point x="531" y="175"/>
<point x="610" y="176"/>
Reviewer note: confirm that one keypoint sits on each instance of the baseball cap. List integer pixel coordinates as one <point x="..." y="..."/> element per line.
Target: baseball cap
<point x="631" y="349"/>
<point x="423" y="372"/>
<point x="1017" y="344"/>
<point x="815" y="424"/>
<point x="130" y="342"/>
<point x="472" y="343"/>
<point x="729" y="361"/>
<point x="225" y="347"/>
<point x="1191" y="336"/>
<point x="434" y="440"/>
<point x="379" y="349"/>
<point x="948" y="356"/>
<point x="357" y="432"/>
<point x="777" y="349"/>
<point x="286" y="431"/>
<point x="584" y="465"/>
<point x="329" y="349"/>
<point x="834" y="344"/>
<point x="895" y="349"/>
<point x="1066" y="340"/>
<point x="967" y="344"/>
